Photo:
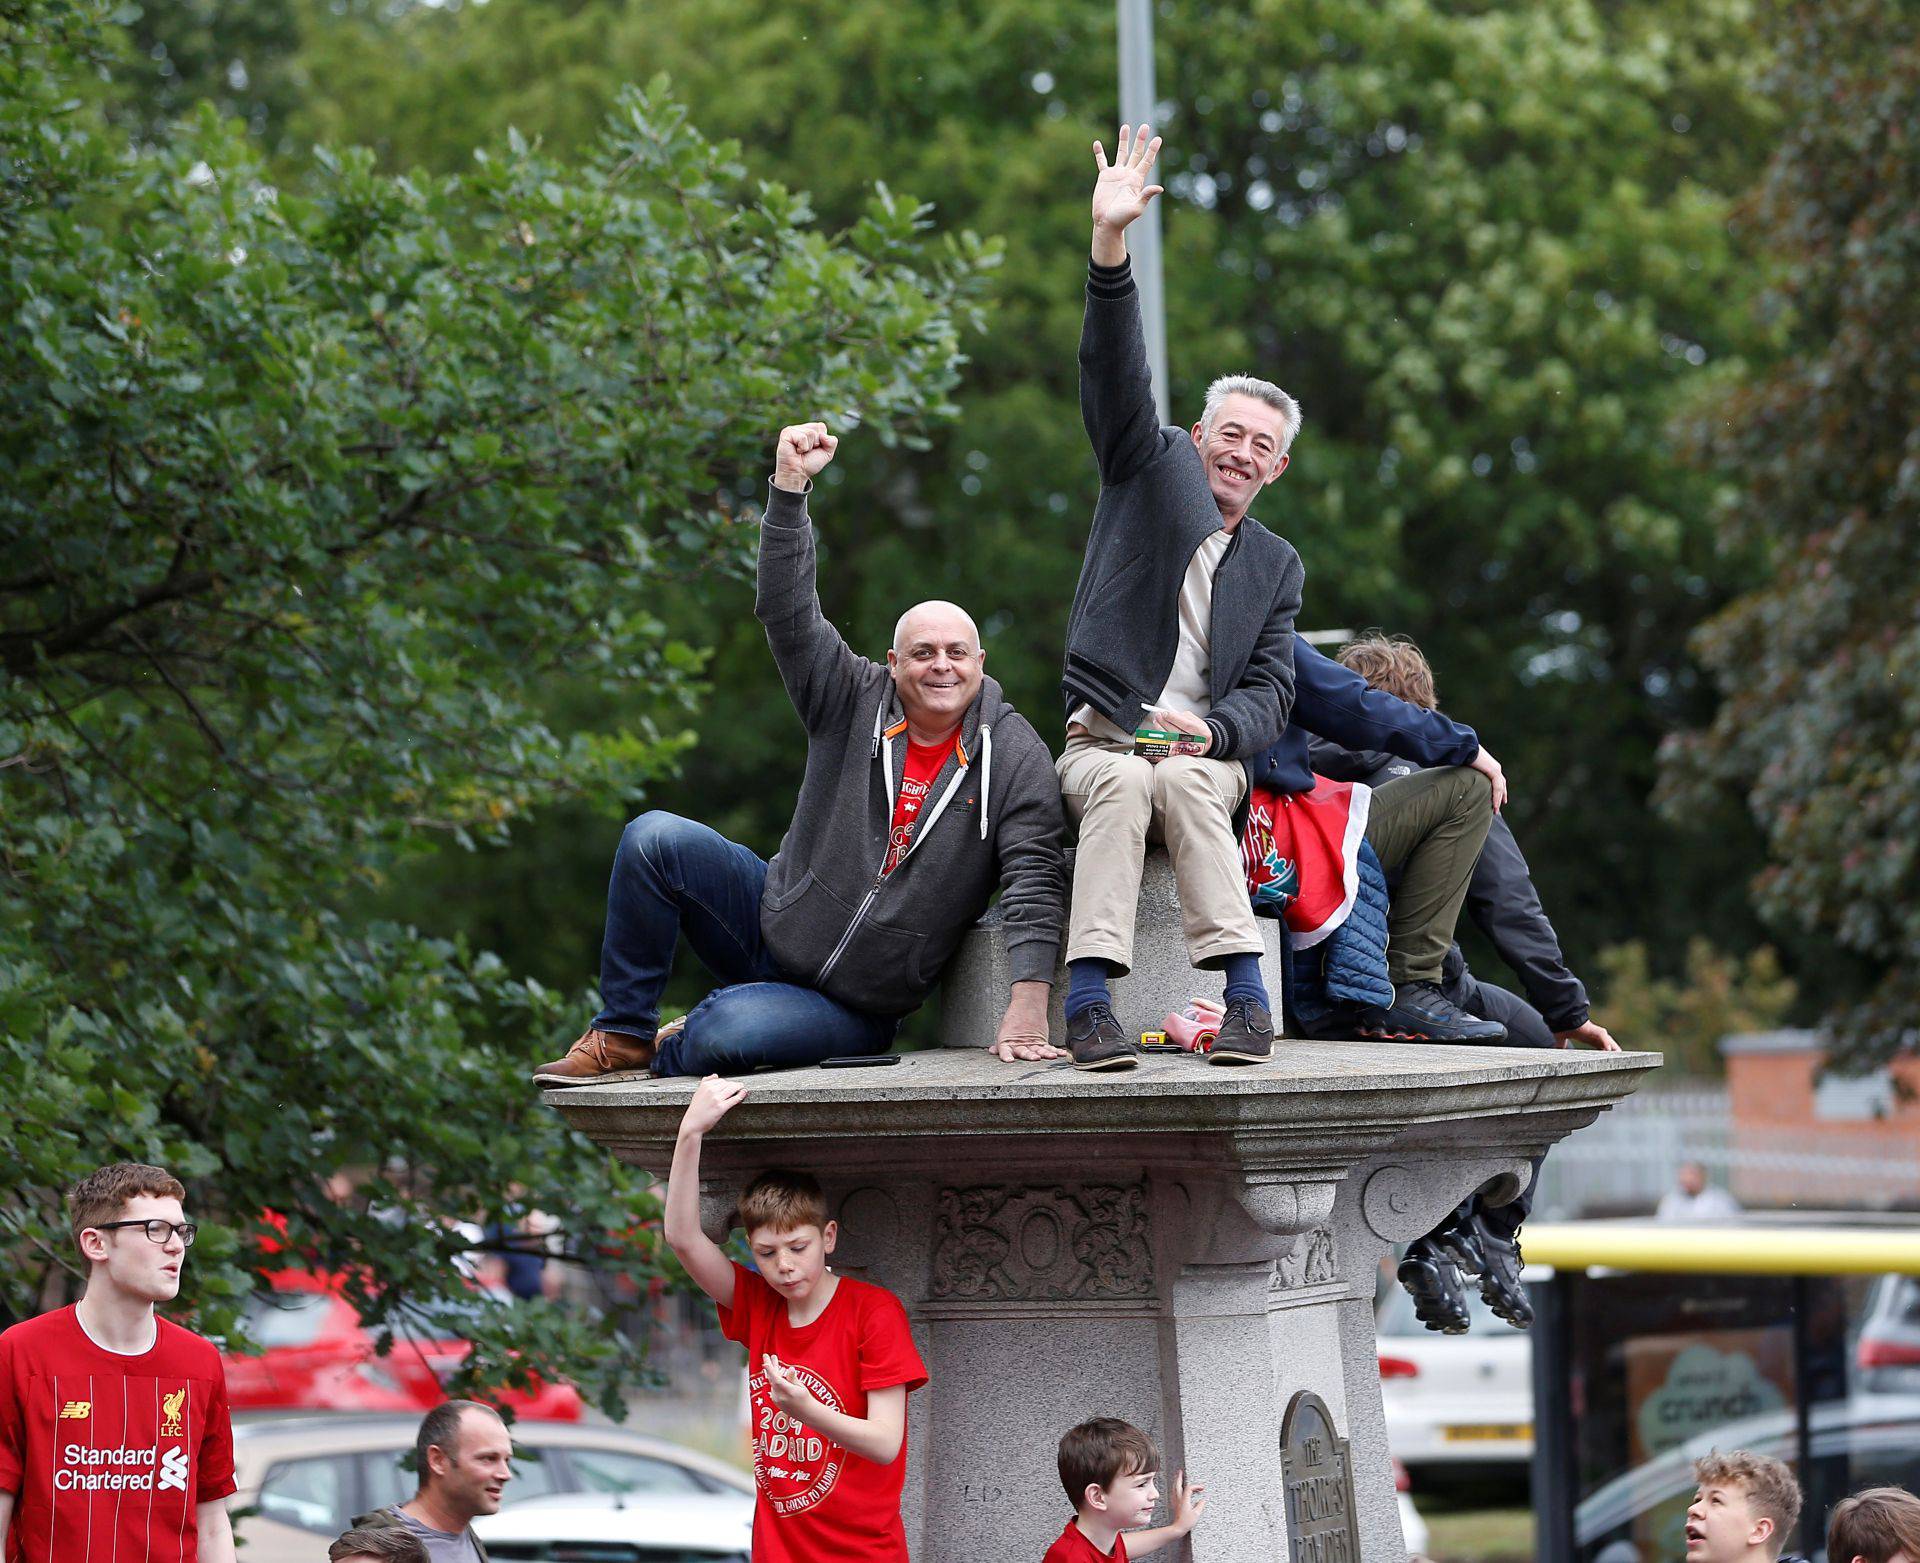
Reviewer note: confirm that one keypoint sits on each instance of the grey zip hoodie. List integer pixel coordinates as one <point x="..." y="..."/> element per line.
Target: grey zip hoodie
<point x="993" y="819"/>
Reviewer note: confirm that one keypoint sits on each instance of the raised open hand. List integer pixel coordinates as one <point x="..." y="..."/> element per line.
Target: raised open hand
<point x="1121" y="192"/>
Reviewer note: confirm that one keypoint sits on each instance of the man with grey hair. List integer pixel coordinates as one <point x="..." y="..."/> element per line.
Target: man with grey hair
<point x="1183" y="622"/>
<point x="924" y="792"/>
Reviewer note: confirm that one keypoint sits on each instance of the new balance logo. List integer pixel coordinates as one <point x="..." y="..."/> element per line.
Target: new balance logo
<point x="76" y="1411"/>
<point x="173" y="1471"/>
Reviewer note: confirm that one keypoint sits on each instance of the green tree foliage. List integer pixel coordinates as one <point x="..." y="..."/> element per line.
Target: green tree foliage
<point x="1685" y="1017"/>
<point x="312" y="499"/>
<point x="1487" y="246"/>
<point x="1818" y="728"/>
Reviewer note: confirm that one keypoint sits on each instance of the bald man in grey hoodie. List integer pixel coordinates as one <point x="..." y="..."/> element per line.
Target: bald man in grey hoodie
<point x="924" y="792"/>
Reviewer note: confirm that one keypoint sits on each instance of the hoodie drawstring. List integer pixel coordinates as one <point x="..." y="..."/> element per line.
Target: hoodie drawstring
<point x="986" y="773"/>
<point x="883" y="752"/>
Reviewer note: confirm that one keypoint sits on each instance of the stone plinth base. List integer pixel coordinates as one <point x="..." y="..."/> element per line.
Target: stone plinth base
<point x="1162" y="979"/>
<point x="1183" y="1246"/>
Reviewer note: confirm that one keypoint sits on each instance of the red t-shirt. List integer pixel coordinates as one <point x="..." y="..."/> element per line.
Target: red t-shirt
<point x="109" y="1456"/>
<point x="819" y="1502"/>
<point x="1072" y="1546"/>
<point x="916" y="783"/>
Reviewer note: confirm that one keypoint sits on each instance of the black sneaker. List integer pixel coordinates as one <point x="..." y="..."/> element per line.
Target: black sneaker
<point x="1478" y="1250"/>
<point x="1435" y="1284"/>
<point x="1098" y="1042"/>
<point x="1246" y="1035"/>
<point x="1338" y="1023"/>
<point x="1420" y="1012"/>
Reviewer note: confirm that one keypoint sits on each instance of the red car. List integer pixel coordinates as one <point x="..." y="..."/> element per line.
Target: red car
<point x="317" y="1356"/>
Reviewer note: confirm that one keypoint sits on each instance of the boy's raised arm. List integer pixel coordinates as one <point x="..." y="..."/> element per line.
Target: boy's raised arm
<point x="1116" y="386"/>
<point x="706" y="1262"/>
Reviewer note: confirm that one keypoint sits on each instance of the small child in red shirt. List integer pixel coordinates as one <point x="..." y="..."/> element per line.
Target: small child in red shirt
<point x="1108" y="1468"/>
<point x="830" y="1360"/>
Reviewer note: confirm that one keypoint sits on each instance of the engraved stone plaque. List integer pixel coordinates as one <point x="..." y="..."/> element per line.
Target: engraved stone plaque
<point x="1318" y="1475"/>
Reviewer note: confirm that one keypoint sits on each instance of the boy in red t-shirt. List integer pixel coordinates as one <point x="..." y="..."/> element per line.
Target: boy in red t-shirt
<point x="1108" y="1468"/>
<point x="115" y="1445"/>
<point x="830" y="1360"/>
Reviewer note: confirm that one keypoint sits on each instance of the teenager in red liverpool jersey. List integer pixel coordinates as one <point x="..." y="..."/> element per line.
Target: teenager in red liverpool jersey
<point x="830" y="1360"/>
<point x="115" y="1445"/>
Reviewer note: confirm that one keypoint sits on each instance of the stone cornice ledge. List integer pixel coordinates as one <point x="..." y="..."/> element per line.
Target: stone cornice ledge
<point x="1313" y="1091"/>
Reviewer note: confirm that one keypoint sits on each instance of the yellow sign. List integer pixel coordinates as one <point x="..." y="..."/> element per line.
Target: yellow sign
<point x="1487" y="1432"/>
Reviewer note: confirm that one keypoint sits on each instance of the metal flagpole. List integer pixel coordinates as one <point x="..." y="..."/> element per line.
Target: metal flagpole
<point x="1143" y="238"/>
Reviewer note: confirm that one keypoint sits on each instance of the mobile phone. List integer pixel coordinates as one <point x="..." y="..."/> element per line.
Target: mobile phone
<point x="860" y="1061"/>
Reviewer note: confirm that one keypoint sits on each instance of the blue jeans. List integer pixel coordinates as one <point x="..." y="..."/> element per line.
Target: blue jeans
<point x="674" y="876"/>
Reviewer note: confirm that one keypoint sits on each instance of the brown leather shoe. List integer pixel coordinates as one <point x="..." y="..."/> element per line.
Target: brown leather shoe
<point x="598" y="1057"/>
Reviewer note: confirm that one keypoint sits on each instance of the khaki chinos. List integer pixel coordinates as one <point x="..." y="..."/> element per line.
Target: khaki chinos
<point x="1121" y="802"/>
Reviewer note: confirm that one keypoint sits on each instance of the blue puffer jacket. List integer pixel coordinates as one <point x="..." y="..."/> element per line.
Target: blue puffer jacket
<point x="1350" y="965"/>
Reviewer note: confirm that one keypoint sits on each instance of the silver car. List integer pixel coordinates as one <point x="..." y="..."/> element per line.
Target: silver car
<point x="302" y="1478"/>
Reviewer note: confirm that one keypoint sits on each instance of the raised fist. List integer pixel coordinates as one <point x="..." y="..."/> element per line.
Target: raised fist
<point x="802" y="454"/>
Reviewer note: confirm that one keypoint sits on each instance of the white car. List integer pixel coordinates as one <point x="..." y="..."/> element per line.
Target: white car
<point x="302" y="1478"/>
<point x="1455" y="1399"/>
<point x="710" y="1528"/>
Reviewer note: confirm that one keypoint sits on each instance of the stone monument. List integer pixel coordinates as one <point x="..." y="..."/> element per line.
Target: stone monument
<point x="1189" y="1247"/>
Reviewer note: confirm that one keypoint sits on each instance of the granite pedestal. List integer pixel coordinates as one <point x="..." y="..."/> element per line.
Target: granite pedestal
<point x="1185" y="1246"/>
<point x="974" y="993"/>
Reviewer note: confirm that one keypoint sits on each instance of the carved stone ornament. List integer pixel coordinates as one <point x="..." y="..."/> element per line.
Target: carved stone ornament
<point x="1391" y="1200"/>
<point x="1310" y="1264"/>
<point x="1076" y="1241"/>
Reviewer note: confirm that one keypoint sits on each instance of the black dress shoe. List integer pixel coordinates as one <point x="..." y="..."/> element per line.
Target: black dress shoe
<point x="1434" y="1282"/>
<point x="1420" y="1012"/>
<point x="1098" y="1042"/>
<point x="1246" y="1034"/>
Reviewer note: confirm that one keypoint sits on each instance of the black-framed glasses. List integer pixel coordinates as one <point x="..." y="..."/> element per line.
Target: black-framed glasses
<point x="157" y="1231"/>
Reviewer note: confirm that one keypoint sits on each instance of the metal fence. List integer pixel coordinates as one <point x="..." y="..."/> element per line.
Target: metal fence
<point x="1624" y="1161"/>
